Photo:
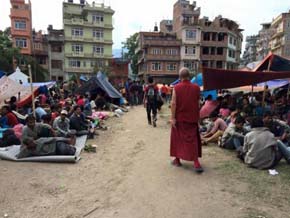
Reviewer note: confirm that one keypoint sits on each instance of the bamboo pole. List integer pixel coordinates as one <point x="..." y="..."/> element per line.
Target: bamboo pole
<point x="32" y="92"/>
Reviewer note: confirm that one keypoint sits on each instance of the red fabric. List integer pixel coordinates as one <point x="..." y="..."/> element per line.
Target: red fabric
<point x="81" y="102"/>
<point x="185" y="141"/>
<point x="164" y="90"/>
<point x="225" y="79"/>
<point x="11" y="119"/>
<point x="187" y="102"/>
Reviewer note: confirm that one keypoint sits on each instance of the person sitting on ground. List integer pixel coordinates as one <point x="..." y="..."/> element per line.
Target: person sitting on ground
<point x="209" y="106"/>
<point x="260" y="146"/>
<point x="8" y="118"/>
<point x="217" y="130"/>
<point x="78" y="122"/>
<point x="39" y="111"/>
<point x="277" y="127"/>
<point x="47" y="119"/>
<point x="224" y="111"/>
<point x="61" y="125"/>
<point x="233" y="137"/>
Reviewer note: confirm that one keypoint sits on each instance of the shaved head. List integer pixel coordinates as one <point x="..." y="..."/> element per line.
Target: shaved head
<point x="184" y="73"/>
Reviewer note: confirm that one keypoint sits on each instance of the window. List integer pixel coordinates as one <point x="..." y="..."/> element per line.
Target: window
<point x="288" y="37"/>
<point x="77" y="32"/>
<point x="191" y="34"/>
<point x="221" y="37"/>
<point x="213" y="36"/>
<point x="235" y="42"/>
<point x="231" y="40"/>
<point x="205" y="50"/>
<point x="56" y="48"/>
<point x="156" y="51"/>
<point x="98" y="18"/>
<point x="56" y="64"/>
<point x="212" y="50"/>
<point x="189" y="65"/>
<point x="220" y="51"/>
<point x="190" y="50"/>
<point x="20" y="25"/>
<point x="98" y="49"/>
<point x="171" y="51"/>
<point x="219" y="64"/>
<point x="77" y="48"/>
<point x="98" y="34"/>
<point x="156" y="66"/>
<point x="171" y="67"/>
<point x="206" y="36"/>
<point x="21" y="42"/>
<point x="75" y="63"/>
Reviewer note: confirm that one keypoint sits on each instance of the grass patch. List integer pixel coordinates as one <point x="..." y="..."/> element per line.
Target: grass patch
<point x="254" y="213"/>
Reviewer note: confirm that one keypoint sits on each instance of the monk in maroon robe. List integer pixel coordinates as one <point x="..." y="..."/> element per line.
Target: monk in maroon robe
<point x="185" y="140"/>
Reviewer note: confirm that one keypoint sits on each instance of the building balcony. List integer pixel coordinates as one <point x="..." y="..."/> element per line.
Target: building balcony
<point x="55" y="38"/>
<point x="151" y="57"/>
<point x="79" y="55"/>
<point x="78" y="70"/>
<point x="214" y="43"/>
<point x="161" y="42"/>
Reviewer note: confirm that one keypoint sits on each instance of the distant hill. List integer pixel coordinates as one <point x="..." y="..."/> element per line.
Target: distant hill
<point x="117" y="53"/>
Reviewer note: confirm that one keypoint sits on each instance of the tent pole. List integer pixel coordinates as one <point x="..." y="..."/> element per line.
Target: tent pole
<point x="32" y="93"/>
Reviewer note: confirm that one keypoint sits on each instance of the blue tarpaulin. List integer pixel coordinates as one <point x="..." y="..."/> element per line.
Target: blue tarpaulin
<point x="198" y="80"/>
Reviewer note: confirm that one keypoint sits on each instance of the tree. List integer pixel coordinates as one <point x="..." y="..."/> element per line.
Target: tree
<point x="7" y="52"/>
<point x="130" y="45"/>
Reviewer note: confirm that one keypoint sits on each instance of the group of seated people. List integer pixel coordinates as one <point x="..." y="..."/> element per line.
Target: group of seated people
<point x="51" y="131"/>
<point x="260" y="140"/>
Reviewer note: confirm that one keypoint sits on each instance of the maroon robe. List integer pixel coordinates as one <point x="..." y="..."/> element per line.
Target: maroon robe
<point x="185" y="140"/>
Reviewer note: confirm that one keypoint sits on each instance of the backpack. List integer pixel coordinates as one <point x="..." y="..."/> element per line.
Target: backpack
<point x="151" y="95"/>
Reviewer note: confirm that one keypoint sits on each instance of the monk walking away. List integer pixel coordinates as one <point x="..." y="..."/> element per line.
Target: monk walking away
<point x="185" y="143"/>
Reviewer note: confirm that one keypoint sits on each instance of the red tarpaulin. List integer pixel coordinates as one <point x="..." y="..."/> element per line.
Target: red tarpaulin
<point x="225" y="79"/>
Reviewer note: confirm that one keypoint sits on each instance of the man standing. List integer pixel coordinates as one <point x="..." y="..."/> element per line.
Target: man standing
<point x="150" y="101"/>
<point x="185" y="141"/>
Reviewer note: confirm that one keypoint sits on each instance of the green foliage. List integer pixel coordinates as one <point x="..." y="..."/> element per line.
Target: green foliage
<point x="39" y="74"/>
<point x="7" y="52"/>
<point x="131" y="44"/>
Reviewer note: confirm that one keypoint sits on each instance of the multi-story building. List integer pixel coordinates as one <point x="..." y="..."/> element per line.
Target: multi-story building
<point x="265" y="35"/>
<point x="120" y="71"/>
<point x="158" y="56"/>
<point x="40" y="49"/>
<point x="280" y="41"/>
<point x="221" y="41"/>
<point x="88" y="37"/>
<point x="21" y="25"/>
<point x="55" y="53"/>
<point x="187" y="29"/>
<point x="250" y="53"/>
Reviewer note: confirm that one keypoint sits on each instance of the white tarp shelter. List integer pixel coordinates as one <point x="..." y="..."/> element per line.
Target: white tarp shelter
<point x="18" y="76"/>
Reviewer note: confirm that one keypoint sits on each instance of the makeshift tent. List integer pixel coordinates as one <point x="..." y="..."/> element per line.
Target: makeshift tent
<point x="9" y="88"/>
<point x="222" y="79"/>
<point x="199" y="82"/>
<point x="18" y="76"/>
<point x="48" y="84"/>
<point x="99" y="81"/>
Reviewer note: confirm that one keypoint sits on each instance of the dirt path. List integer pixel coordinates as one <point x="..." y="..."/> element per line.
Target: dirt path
<point x="130" y="176"/>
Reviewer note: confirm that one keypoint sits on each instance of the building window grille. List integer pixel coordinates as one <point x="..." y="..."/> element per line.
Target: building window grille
<point x="98" y="34"/>
<point x="21" y="42"/>
<point x="20" y="25"/>
<point x="156" y="66"/>
<point x="171" y="51"/>
<point x="191" y="34"/>
<point x="156" y="51"/>
<point x="77" y="32"/>
<point x="98" y="18"/>
<point x="98" y="49"/>
<point x="190" y="50"/>
<point x="77" y="48"/>
<point x="171" y="67"/>
<point x="75" y="63"/>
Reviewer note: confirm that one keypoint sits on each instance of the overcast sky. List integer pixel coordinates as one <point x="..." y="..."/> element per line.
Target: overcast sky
<point x="134" y="15"/>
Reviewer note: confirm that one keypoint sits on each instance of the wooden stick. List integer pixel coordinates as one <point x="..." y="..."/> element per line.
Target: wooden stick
<point x="32" y="92"/>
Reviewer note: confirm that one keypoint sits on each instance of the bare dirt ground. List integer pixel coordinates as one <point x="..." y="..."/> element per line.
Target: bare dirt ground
<point x="130" y="176"/>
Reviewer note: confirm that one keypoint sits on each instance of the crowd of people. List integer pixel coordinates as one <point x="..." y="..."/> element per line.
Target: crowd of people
<point x="255" y="125"/>
<point x="55" y="123"/>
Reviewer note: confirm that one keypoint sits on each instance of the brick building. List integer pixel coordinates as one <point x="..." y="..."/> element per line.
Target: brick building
<point x="158" y="56"/>
<point x="119" y="72"/>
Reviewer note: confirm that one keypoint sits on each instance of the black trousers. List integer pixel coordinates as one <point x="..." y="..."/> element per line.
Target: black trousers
<point x="151" y="107"/>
